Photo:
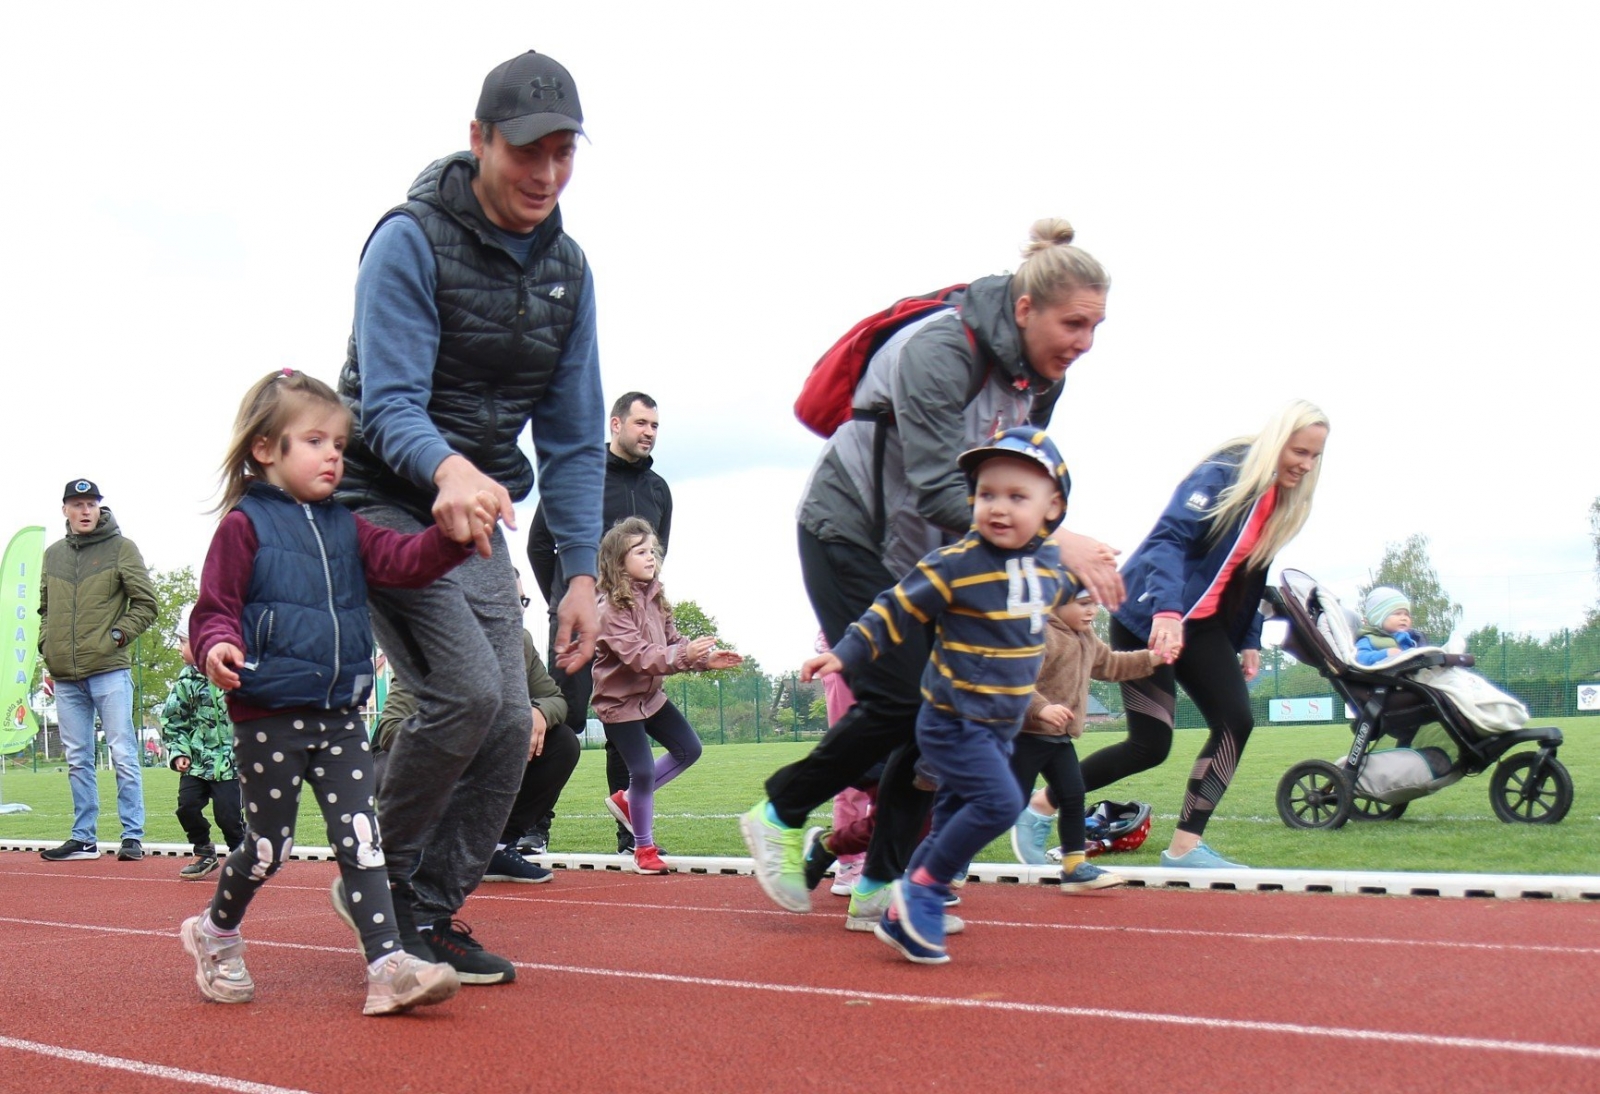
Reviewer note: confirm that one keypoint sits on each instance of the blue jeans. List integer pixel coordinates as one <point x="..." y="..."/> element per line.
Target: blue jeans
<point x="111" y="694"/>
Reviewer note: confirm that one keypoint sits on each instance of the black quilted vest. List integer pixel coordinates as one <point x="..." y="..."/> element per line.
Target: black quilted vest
<point x="502" y="330"/>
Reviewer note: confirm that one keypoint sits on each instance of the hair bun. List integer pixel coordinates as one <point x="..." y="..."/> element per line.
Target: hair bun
<point x="1048" y="232"/>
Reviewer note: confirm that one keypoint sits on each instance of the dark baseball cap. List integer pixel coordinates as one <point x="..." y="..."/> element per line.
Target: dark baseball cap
<point x="528" y="97"/>
<point x="81" y="488"/>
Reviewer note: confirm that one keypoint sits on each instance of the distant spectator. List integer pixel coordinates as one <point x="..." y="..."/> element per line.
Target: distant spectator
<point x="95" y="598"/>
<point x="633" y="489"/>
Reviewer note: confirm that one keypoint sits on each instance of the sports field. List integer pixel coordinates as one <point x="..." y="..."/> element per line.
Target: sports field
<point x="1454" y="830"/>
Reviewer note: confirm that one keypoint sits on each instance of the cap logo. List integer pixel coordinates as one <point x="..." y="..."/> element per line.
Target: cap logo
<point x="547" y="87"/>
<point x="81" y="486"/>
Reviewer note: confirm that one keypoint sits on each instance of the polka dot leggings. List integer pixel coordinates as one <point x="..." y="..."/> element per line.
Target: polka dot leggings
<point x="329" y="750"/>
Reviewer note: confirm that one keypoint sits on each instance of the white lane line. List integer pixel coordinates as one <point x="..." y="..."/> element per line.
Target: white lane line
<point x="1581" y="1052"/>
<point x="1088" y="928"/>
<point x="139" y="1067"/>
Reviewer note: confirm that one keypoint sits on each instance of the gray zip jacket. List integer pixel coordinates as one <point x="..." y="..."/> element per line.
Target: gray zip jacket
<point x="923" y="376"/>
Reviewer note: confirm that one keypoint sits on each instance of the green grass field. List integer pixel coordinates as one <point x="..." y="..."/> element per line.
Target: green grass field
<point x="1454" y="830"/>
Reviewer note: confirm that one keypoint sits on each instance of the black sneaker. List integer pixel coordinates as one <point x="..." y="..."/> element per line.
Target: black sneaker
<point x="506" y="865"/>
<point x="71" y="851"/>
<point x="817" y="856"/>
<point x="624" y="842"/>
<point x="404" y="919"/>
<point x="536" y="842"/>
<point x="203" y="864"/>
<point x="130" y="851"/>
<point x="452" y="942"/>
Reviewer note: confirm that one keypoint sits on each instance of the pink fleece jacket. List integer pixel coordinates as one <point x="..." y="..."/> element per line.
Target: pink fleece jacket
<point x="638" y="645"/>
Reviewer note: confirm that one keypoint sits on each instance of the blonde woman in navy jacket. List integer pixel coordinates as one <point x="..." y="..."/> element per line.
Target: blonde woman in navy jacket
<point x="1194" y="586"/>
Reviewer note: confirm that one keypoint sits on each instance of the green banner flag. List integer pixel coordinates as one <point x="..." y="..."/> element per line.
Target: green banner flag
<point x="20" y="596"/>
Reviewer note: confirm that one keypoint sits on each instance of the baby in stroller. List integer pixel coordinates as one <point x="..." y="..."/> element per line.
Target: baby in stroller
<point x="1446" y="721"/>
<point x="1387" y="627"/>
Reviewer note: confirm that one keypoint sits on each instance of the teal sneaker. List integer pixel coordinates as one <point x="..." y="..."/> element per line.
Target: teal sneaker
<point x="1200" y="857"/>
<point x="778" y="857"/>
<point x="1030" y="836"/>
<point x="867" y="909"/>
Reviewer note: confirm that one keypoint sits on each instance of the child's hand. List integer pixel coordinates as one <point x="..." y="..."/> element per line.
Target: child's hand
<point x="1156" y="660"/>
<point x="220" y="663"/>
<point x="723" y="659"/>
<point x="820" y="665"/>
<point x="1392" y="653"/>
<point x="1056" y="715"/>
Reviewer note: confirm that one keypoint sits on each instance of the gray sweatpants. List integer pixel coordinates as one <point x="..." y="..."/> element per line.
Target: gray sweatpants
<point x="454" y="767"/>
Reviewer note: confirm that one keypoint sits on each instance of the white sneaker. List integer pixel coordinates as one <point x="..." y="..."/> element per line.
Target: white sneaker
<point x="402" y="982"/>
<point x="218" y="964"/>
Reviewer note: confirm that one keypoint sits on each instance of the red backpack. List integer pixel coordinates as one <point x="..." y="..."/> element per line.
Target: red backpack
<point x="825" y="399"/>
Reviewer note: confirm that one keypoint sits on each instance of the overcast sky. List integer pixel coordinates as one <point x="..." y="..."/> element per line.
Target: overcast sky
<point x="1388" y="209"/>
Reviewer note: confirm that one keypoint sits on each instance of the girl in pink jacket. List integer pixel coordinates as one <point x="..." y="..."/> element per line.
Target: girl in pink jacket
<point x="638" y="645"/>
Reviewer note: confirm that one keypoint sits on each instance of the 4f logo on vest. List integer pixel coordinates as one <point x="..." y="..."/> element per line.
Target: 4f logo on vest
<point x="1023" y="597"/>
<point x="1198" y="501"/>
<point x="558" y="292"/>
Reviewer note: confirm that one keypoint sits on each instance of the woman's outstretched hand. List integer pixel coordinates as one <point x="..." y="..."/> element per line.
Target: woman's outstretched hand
<point x="1095" y="565"/>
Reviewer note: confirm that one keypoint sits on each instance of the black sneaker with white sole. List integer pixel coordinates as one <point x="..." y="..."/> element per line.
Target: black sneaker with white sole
<point x="203" y="864"/>
<point x="71" y="851"/>
<point x="451" y="942"/>
<point x="130" y="851"/>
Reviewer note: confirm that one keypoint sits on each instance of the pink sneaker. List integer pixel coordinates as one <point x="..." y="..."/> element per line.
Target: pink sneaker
<point x="844" y="876"/>
<point x="617" y="804"/>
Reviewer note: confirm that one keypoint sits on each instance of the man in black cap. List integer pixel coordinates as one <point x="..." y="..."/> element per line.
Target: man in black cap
<point x="474" y="319"/>
<point x="95" y="598"/>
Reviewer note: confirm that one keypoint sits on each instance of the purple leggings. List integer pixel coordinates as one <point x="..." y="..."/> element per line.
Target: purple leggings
<point x="646" y="773"/>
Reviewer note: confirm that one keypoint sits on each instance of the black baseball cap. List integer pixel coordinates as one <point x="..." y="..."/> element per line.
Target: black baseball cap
<point x="528" y="97"/>
<point x="81" y="488"/>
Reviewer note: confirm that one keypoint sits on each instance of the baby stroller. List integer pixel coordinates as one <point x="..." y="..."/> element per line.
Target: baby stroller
<point x="1423" y="694"/>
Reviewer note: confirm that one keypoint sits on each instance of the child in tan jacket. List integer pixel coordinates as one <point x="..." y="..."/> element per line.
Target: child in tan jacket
<point x="1073" y="656"/>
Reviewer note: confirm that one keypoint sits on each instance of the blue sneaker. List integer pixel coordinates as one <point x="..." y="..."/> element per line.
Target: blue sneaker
<point x="890" y="931"/>
<point x="1030" y="836"/>
<point x="1086" y="876"/>
<point x="919" y="909"/>
<point x="1199" y="857"/>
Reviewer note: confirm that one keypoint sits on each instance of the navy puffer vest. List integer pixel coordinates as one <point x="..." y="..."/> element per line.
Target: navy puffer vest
<point x="308" y="639"/>
<point x="502" y="330"/>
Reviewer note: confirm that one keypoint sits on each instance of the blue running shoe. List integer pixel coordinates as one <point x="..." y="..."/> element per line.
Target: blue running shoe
<point x="1030" y="836"/>
<point x="1086" y="876"/>
<point x="919" y="909"/>
<point x="1200" y="857"/>
<point x="891" y="932"/>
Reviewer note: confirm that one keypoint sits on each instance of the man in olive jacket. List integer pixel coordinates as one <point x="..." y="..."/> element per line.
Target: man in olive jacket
<point x="95" y="598"/>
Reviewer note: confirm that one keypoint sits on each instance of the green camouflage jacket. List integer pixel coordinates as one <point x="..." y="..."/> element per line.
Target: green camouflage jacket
<point x="194" y="723"/>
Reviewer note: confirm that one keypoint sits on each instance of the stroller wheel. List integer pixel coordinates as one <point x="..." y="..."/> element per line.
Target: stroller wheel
<point x="1315" y="794"/>
<point x="1530" y="788"/>
<point x="1366" y="809"/>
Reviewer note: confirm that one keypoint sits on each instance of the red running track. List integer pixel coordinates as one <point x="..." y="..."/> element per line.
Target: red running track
<point x="697" y="983"/>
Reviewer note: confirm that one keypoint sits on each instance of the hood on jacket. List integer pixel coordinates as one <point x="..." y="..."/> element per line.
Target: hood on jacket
<point x="989" y="312"/>
<point x="447" y="184"/>
<point x="102" y="531"/>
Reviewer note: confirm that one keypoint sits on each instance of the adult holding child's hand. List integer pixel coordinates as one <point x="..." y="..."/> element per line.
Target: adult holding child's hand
<point x="943" y="374"/>
<point x="1194" y="586"/>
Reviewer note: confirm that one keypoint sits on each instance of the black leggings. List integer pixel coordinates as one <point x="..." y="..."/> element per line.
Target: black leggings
<point x="1210" y="674"/>
<point x="1057" y="760"/>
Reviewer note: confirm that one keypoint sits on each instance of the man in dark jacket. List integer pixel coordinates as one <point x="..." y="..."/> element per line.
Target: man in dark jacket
<point x="95" y="598"/>
<point x="474" y="320"/>
<point x="633" y="489"/>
